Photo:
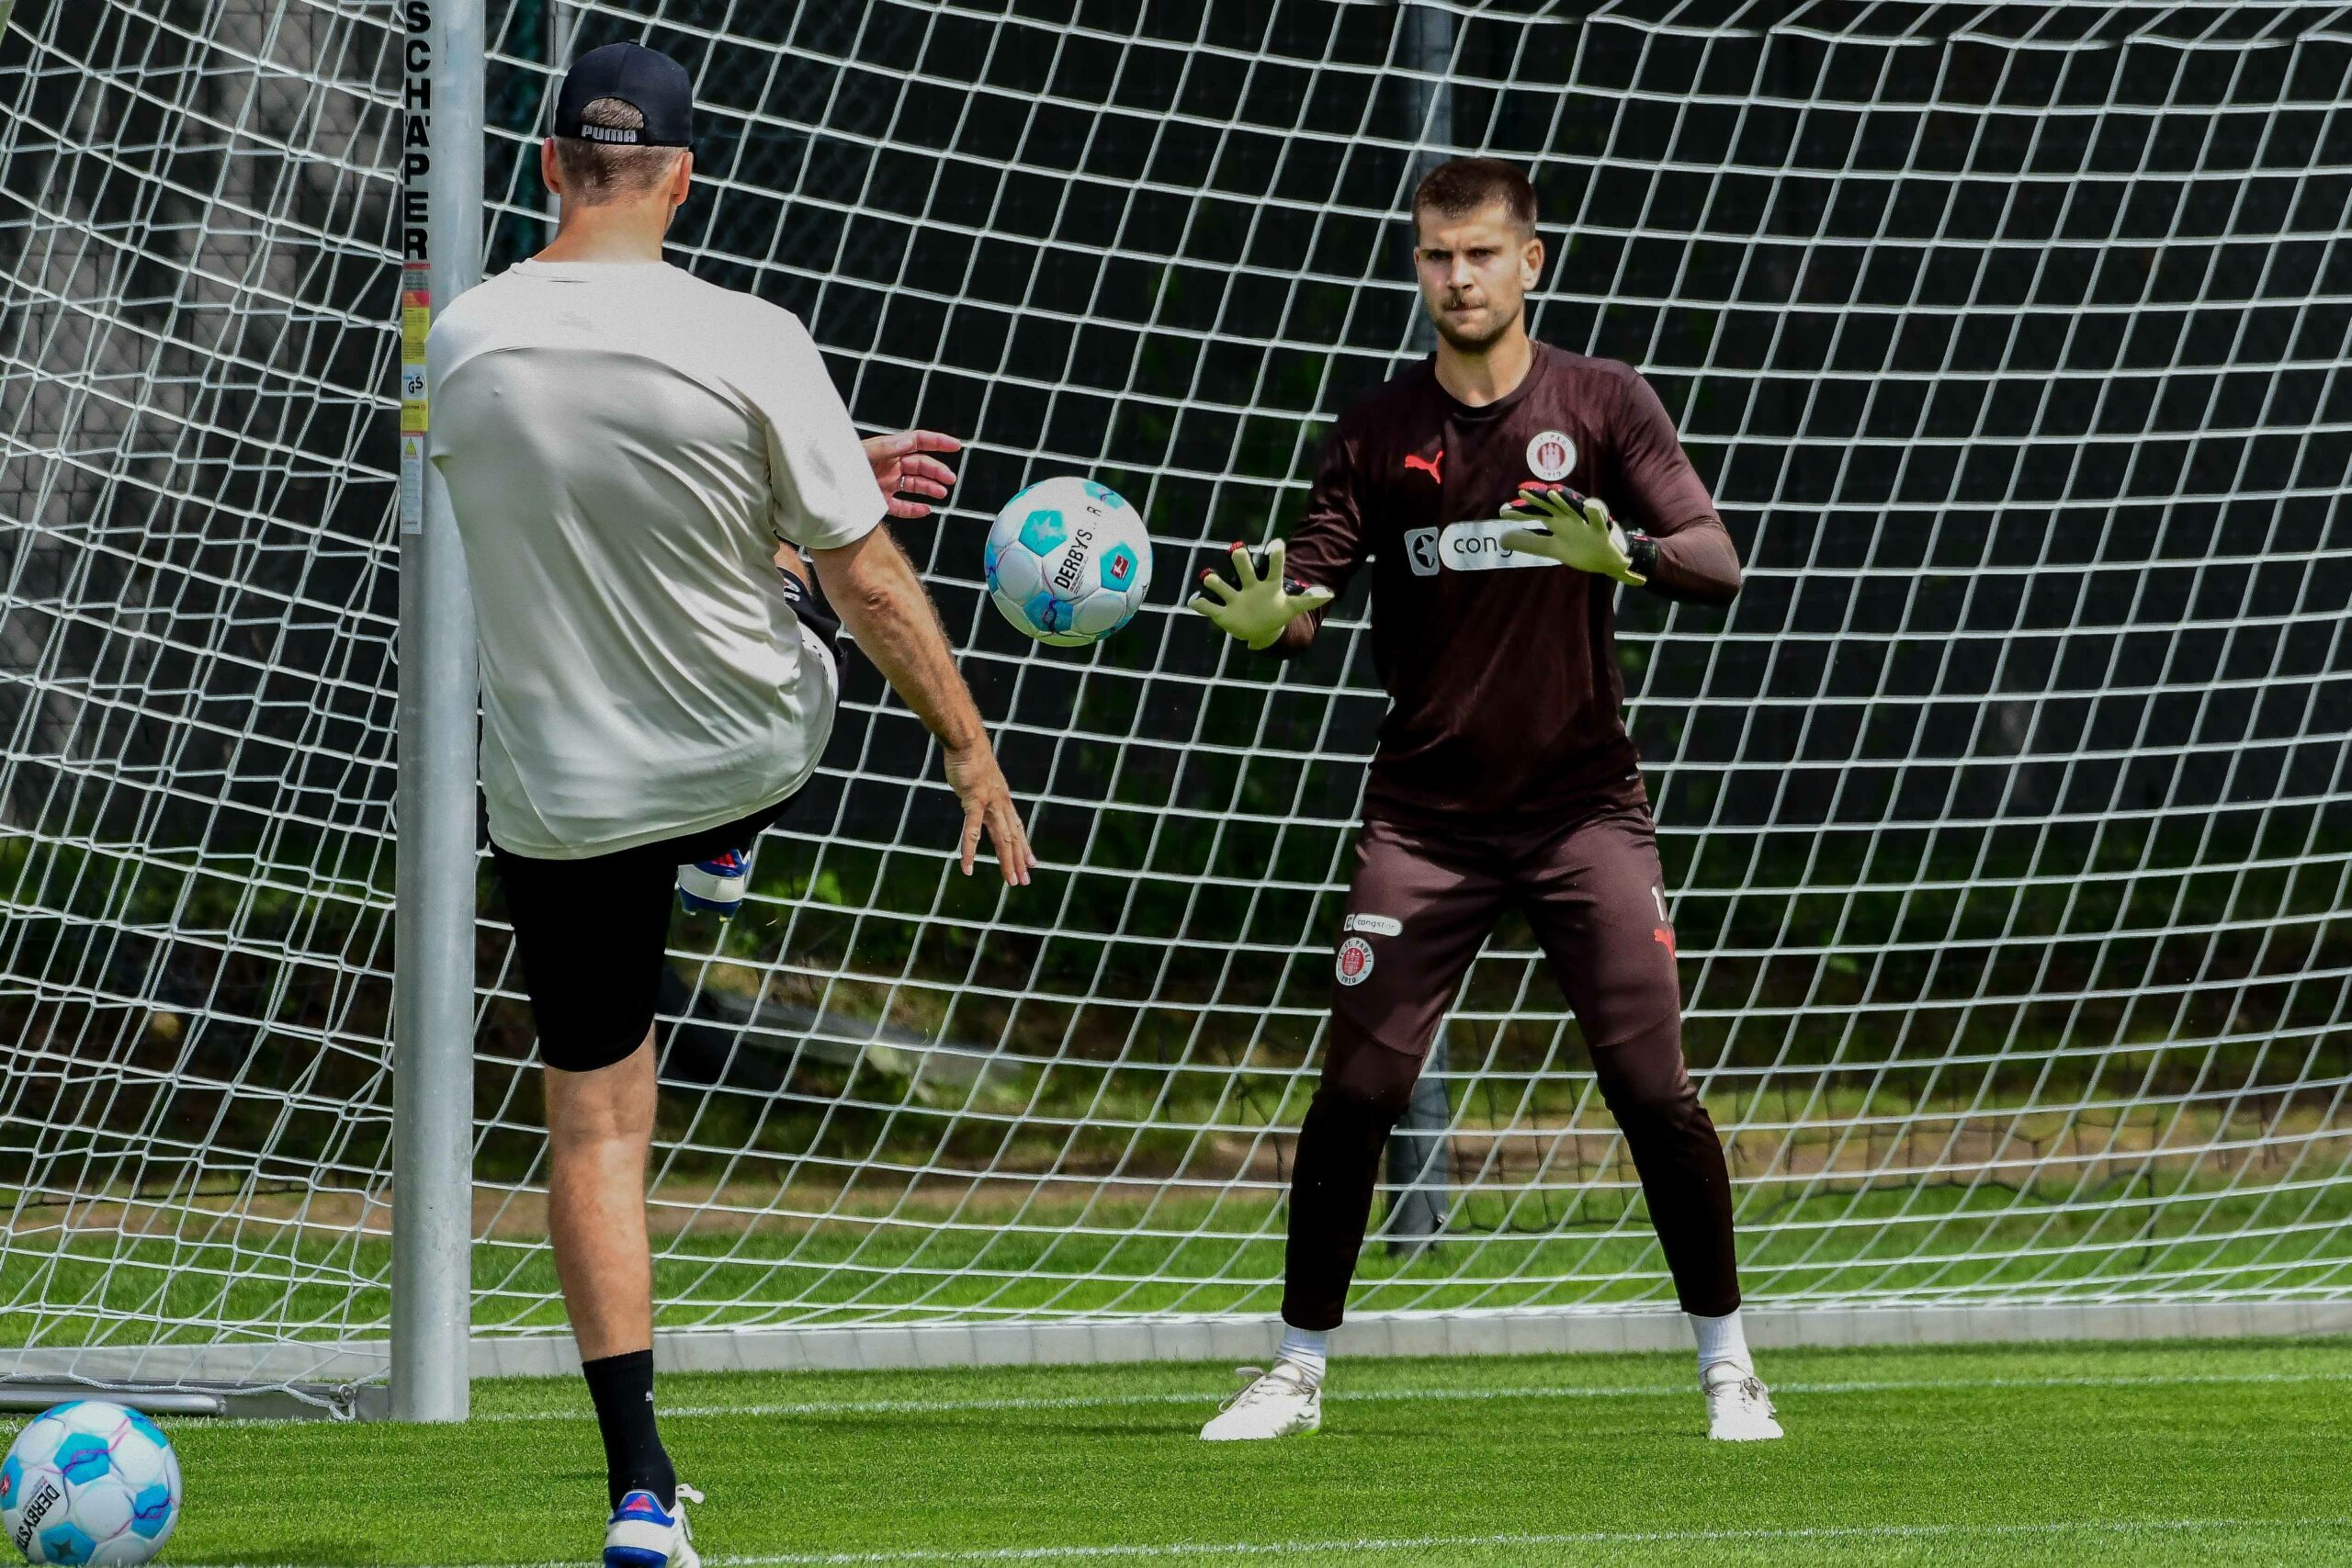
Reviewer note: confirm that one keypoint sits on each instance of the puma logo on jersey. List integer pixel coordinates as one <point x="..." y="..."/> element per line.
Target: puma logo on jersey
<point x="1428" y="465"/>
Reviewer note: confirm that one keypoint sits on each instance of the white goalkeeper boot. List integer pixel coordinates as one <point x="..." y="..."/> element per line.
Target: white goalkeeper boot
<point x="1283" y="1403"/>
<point x="1739" y="1408"/>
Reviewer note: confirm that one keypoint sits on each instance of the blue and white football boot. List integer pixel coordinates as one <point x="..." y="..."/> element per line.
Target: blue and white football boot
<point x="717" y="884"/>
<point x="644" y="1534"/>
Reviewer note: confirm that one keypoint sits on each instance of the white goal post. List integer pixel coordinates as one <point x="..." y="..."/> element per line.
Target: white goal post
<point x="2007" y="816"/>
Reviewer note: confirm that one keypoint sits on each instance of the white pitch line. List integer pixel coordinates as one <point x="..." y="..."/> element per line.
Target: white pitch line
<point x="1173" y="1551"/>
<point x="1176" y="1549"/>
<point x="1410" y="1396"/>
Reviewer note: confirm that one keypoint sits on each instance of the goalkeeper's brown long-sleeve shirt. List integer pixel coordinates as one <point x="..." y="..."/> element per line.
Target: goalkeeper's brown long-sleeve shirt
<point x="1501" y="667"/>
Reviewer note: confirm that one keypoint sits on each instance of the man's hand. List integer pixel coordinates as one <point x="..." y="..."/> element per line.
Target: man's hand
<point x="1579" y="532"/>
<point x="987" y="806"/>
<point x="1257" y="612"/>
<point x="873" y="589"/>
<point x="900" y="466"/>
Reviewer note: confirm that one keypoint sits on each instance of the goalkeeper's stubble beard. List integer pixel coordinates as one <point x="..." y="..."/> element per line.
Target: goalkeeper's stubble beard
<point x="1495" y="326"/>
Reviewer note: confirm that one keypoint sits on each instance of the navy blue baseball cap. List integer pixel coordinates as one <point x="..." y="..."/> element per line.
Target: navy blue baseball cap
<point x="648" y="80"/>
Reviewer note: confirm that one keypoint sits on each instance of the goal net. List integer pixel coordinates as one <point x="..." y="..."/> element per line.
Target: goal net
<point x="2004" y="817"/>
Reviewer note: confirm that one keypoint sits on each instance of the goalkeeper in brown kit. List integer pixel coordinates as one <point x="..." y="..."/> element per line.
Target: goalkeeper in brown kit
<point x="1504" y="777"/>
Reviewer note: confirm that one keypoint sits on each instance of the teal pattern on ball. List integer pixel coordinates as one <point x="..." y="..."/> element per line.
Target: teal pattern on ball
<point x="82" y="1459"/>
<point x="1047" y="613"/>
<point x="1104" y="493"/>
<point x="1119" y="568"/>
<point x="65" y="1544"/>
<point x="150" y="1511"/>
<point x="1043" y="532"/>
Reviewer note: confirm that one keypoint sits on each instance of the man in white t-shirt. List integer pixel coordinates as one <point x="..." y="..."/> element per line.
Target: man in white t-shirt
<point x="632" y="455"/>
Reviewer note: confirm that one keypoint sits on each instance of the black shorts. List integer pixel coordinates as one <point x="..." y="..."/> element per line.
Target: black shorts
<point x="593" y="935"/>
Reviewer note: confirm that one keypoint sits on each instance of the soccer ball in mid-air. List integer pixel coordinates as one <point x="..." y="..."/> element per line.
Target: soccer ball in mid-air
<point x="1069" y="562"/>
<point x="90" y="1482"/>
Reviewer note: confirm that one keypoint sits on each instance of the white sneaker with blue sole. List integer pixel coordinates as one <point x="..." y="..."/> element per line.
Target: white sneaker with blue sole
<point x="717" y="884"/>
<point x="644" y="1534"/>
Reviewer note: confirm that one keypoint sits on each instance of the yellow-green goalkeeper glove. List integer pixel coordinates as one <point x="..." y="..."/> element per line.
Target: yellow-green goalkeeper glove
<point x="1579" y="532"/>
<point x="1257" y="612"/>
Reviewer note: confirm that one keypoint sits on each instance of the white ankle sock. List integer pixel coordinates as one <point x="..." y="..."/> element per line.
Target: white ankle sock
<point x="1308" y="1348"/>
<point x="1721" y="1340"/>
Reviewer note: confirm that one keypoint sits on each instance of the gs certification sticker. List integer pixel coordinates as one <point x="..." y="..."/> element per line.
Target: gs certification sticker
<point x="1355" y="960"/>
<point x="1552" y="455"/>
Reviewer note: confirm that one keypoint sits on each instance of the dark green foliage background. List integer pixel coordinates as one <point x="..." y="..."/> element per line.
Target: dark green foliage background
<point x="2015" y="779"/>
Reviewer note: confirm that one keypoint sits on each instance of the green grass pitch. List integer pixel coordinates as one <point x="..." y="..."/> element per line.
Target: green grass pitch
<point x="2213" y="1453"/>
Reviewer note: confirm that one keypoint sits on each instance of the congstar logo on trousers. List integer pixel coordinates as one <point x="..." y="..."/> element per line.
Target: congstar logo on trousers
<point x="1467" y="547"/>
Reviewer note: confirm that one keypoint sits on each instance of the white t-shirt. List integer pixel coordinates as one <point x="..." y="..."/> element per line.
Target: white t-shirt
<point x="624" y="445"/>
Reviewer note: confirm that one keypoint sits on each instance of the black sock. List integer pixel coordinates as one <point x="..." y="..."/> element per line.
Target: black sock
<point x="635" y="1461"/>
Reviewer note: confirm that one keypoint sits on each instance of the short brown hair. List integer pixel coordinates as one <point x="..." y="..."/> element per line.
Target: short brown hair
<point x="596" y="173"/>
<point x="1464" y="185"/>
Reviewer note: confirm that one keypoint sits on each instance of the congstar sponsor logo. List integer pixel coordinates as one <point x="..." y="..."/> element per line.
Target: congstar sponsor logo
<point x="1467" y="547"/>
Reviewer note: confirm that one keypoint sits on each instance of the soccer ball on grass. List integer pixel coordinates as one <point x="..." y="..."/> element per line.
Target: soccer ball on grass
<point x="90" y="1482"/>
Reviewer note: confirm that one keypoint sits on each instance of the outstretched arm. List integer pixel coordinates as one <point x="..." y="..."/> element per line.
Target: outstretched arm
<point x="1273" y="612"/>
<point x="1697" y="563"/>
<point x="873" y="589"/>
<point x="1689" y="554"/>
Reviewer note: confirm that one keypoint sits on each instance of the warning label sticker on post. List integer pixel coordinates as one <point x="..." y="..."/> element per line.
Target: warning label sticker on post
<point x="411" y="484"/>
<point x="416" y="321"/>
<point x="416" y="408"/>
